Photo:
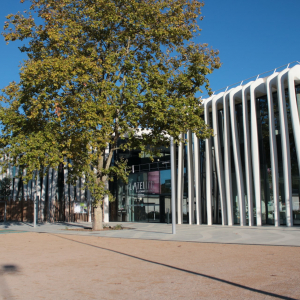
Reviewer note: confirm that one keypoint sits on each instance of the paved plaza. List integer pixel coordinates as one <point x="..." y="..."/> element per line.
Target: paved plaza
<point x="66" y="261"/>
<point x="265" y="235"/>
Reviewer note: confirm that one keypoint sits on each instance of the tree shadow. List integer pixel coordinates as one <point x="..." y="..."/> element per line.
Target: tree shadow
<point x="184" y="270"/>
<point x="4" y="290"/>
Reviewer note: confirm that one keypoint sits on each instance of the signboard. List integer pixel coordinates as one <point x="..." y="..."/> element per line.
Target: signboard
<point x="146" y="183"/>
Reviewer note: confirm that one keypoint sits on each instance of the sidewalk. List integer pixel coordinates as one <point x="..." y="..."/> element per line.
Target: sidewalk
<point x="265" y="235"/>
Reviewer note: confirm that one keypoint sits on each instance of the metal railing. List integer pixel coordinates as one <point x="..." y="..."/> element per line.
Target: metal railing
<point x="154" y="166"/>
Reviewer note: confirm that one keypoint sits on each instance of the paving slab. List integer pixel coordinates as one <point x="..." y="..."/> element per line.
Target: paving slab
<point x="265" y="235"/>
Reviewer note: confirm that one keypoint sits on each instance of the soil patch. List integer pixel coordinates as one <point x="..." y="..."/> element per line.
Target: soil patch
<point x="59" y="266"/>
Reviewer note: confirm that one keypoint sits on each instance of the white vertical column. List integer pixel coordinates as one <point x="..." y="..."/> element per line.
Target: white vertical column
<point x="54" y="193"/>
<point x="89" y="206"/>
<point x="72" y="202"/>
<point x="33" y="195"/>
<point x="43" y="195"/>
<point x="25" y="186"/>
<point x="173" y="174"/>
<point x="180" y="180"/>
<point x="294" y="74"/>
<point x="106" y="200"/>
<point x="78" y="191"/>
<point x="237" y="156"/>
<point x="218" y="156"/>
<point x="285" y="147"/>
<point x="208" y="157"/>
<point x="29" y="189"/>
<point x="191" y="187"/>
<point x="247" y="152"/>
<point x="173" y="183"/>
<point x="255" y="150"/>
<point x="50" y="183"/>
<point x="16" y="184"/>
<point x="33" y="185"/>
<point x="197" y="180"/>
<point x="227" y="160"/>
<point x="83" y="188"/>
<point x="11" y="177"/>
<point x="106" y="209"/>
<point x="38" y="195"/>
<point x="66" y="194"/>
<point x="273" y="148"/>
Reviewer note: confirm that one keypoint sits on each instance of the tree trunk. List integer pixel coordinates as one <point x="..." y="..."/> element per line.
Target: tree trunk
<point x="97" y="219"/>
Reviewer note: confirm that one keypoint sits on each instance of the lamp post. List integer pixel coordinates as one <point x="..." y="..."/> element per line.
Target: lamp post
<point x="173" y="184"/>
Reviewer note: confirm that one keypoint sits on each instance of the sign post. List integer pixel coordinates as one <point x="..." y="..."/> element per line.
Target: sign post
<point x="173" y="184"/>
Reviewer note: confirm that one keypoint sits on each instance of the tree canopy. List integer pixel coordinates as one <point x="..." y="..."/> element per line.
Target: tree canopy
<point x="5" y="188"/>
<point x="100" y="70"/>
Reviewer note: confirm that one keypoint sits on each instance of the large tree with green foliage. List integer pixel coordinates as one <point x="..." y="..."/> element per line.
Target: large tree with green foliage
<point x="5" y="188"/>
<point x="98" y="71"/>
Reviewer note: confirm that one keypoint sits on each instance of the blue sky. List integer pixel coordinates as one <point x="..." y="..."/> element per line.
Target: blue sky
<point x="252" y="37"/>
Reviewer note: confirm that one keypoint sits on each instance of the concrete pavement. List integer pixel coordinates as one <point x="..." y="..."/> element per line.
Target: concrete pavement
<point x="265" y="235"/>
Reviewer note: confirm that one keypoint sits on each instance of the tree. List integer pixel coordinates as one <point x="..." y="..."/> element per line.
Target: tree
<point x="5" y="187"/>
<point x="98" y="71"/>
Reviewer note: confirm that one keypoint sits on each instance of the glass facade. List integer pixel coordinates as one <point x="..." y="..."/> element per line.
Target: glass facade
<point x="147" y="196"/>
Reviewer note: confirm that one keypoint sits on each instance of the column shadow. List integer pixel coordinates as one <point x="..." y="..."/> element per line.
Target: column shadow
<point x="183" y="270"/>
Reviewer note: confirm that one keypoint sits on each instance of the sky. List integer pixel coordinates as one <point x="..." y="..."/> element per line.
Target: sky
<point x="252" y="36"/>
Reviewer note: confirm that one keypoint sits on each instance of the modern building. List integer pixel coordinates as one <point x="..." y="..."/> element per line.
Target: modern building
<point x="246" y="174"/>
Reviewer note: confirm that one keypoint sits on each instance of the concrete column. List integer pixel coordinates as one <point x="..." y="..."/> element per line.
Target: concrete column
<point x="208" y="150"/>
<point x="227" y="160"/>
<point x="33" y="195"/>
<point x="72" y="200"/>
<point x="82" y="183"/>
<point x="255" y="150"/>
<point x="66" y="195"/>
<point x="191" y="187"/>
<point x="25" y="186"/>
<point x="285" y="147"/>
<point x="247" y="152"/>
<point x="78" y="191"/>
<point x="237" y="154"/>
<point x="50" y="183"/>
<point x="173" y="183"/>
<point x="43" y="195"/>
<point x="16" y="185"/>
<point x="89" y="206"/>
<point x="273" y="148"/>
<point x="219" y="161"/>
<point x="197" y="180"/>
<point x="54" y="193"/>
<point x="294" y="74"/>
<point x="106" y="209"/>
<point x="38" y="195"/>
<point x="173" y="174"/>
<point x="180" y="180"/>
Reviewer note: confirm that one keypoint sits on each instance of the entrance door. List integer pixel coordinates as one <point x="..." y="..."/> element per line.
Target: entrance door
<point x="162" y="216"/>
<point x="165" y="209"/>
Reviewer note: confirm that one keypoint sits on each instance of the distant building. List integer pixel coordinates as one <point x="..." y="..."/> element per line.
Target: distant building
<point x="246" y="174"/>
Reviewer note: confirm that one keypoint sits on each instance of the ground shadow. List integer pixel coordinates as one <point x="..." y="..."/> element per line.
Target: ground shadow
<point x="4" y="290"/>
<point x="7" y="224"/>
<point x="183" y="270"/>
